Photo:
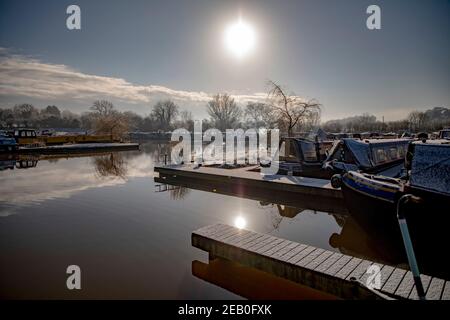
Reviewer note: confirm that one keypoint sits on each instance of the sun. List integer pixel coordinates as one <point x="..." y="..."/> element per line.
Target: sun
<point x="240" y="38"/>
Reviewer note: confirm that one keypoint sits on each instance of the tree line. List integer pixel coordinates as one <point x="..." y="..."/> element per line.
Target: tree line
<point x="416" y="121"/>
<point x="282" y="109"/>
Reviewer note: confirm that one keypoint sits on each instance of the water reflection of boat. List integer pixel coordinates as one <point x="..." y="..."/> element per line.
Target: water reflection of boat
<point x="373" y="200"/>
<point x="7" y="164"/>
<point x="365" y="243"/>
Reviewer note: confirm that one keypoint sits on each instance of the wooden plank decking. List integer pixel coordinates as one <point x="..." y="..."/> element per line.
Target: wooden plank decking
<point x="248" y="178"/>
<point x="334" y="273"/>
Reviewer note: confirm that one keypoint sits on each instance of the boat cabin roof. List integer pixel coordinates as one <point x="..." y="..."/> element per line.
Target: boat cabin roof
<point x="430" y="167"/>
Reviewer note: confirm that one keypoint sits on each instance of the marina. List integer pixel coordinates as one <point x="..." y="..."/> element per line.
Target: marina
<point x="212" y="152"/>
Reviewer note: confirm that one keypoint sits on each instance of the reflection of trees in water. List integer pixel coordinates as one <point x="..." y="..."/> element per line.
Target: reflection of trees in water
<point x="157" y="150"/>
<point x="179" y="193"/>
<point x="111" y="165"/>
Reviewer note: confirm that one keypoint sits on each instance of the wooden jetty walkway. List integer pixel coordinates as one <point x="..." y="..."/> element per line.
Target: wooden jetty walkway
<point x="333" y="273"/>
<point x="331" y="205"/>
<point x="78" y="148"/>
<point x="247" y="177"/>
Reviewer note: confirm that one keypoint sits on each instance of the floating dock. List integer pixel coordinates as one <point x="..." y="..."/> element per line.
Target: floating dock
<point x="78" y="148"/>
<point x="330" y="205"/>
<point x="330" y="272"/>
<point x="249" y="177"/>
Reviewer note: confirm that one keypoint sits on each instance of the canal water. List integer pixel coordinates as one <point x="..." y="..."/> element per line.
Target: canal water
<point x="131" y="236"/>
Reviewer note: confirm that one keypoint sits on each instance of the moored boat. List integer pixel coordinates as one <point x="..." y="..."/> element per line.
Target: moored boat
<point x="372" y="200"/>
<point x="323" y="159"/>
<point x="383" y="157"/>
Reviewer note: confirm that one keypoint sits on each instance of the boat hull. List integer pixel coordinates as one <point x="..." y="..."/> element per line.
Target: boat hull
<point x="375" y="211"/>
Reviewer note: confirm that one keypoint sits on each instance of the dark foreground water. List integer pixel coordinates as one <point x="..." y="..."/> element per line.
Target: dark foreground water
<point x="131" y="237"/>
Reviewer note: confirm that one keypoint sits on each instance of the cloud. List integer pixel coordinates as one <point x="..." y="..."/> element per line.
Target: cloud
<point x="25" y="77"/>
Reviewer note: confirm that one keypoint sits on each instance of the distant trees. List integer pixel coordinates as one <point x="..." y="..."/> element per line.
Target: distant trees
<point x="223" y="111"/>
<point x="259" y="114"/>
<point x="360" y="123"/>
<point x="51" y="111"/>
<point x="282" y="110"/>
<point x="25" y="113"/>
<point x="289" y="109"/>
<point x="107" y="120"/>
<point x="417" y="120"/>
<point x="186" y="120"/>
<point x="135" y="121"/>
<point x="164" y="113"/>
<point x="428" y="121"/>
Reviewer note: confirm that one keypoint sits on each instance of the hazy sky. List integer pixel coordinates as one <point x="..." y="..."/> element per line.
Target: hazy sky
<point x="134" y="52"/>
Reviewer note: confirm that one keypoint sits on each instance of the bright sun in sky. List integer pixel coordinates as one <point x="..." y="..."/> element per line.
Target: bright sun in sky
<point x="240" y="38"/>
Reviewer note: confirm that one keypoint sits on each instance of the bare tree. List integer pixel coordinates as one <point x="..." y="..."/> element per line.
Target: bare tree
<point x="108" y="120"/>
<point x="164" y="113"/>
<point x="417" y="120"/>
<point x="102" y="107"/>
<point x="224" y="111"/>
<point x="289" y="108"/>
<point x="186" y="120"/>
<point x="25" y="113"/>
<point x="50" y="111"/>
<point x="134" y="120"/>
<point x="260" y="114"/>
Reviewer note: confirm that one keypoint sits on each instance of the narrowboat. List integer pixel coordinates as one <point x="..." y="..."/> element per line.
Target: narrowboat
<point x="372" y="200"/>
<point x="7" y="143"/>
<point x="444" y="134"/>
<point x="323" y="159"/>
<point x="384" y="157"/>
<point x="304" y="157"/>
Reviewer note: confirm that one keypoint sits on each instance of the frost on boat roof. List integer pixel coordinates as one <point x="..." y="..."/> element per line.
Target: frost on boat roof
<point x="360" y="150"/>
<point x="430" y="167"/>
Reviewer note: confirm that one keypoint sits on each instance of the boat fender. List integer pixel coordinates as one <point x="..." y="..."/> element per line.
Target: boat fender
<point x="336" y="181"/>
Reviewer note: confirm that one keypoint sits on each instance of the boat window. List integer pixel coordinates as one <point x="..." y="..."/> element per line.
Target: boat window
<point x="393" y="153"/>
<point x="283" y="150"/>
<point x="380" y="155"/>
<point x="16" y="133"/>
<point x="23" y="133"/>
<point x="309" y="151"/>
<point x="401" y="151"/>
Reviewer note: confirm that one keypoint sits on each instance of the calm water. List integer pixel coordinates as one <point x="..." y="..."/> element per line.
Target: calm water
<point x="131" y="236"/>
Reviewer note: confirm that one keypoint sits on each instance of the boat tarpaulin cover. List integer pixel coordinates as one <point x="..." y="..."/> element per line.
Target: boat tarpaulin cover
<point x="361" y="152"/>
<point x="308" y="149"/>
<point x="430" y="167"/>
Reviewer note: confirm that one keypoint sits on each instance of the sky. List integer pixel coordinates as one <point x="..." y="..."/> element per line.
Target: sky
<point x="136" y="52"/>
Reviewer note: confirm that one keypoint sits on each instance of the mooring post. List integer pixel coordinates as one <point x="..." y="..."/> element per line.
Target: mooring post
<point x="408" y="243"/>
